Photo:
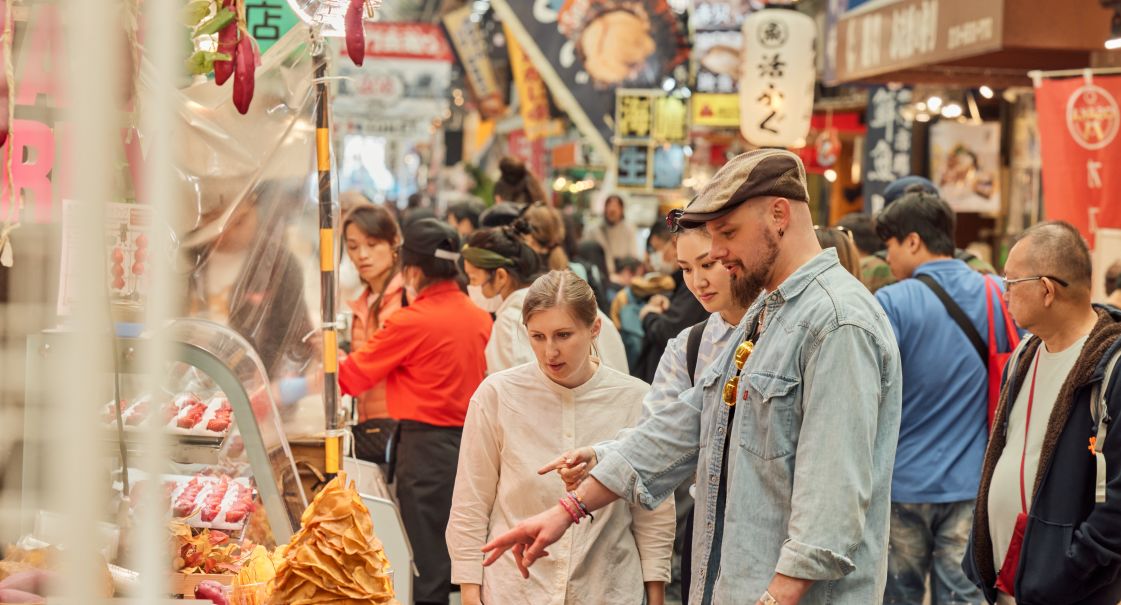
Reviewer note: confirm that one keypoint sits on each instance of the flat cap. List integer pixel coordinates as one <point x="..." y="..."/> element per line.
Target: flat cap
<point x="758" y="173"/>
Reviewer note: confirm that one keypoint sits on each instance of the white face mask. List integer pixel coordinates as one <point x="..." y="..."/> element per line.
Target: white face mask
<point x="490" y="305"/>
<point x="659" y="264"/>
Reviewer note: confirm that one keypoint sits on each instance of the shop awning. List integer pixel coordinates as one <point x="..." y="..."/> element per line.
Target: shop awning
<point x="966" y="42"/>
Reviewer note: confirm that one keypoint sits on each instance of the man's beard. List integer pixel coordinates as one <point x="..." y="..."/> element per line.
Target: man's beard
<point x="747" y="286"/>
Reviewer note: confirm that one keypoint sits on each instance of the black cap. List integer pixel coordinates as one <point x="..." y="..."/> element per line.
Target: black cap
<point x="429" y="238"/>
<point x="500" y="215"/>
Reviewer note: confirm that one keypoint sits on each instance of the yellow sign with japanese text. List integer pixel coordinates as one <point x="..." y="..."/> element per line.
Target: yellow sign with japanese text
<point x="719" y="110"/>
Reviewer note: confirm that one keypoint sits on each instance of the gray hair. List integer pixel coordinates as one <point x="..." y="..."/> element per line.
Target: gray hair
<point x="1057" y="248"/>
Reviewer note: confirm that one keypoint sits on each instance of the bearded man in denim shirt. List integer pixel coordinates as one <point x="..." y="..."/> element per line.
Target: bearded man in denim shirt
<point x="793" y="459"/>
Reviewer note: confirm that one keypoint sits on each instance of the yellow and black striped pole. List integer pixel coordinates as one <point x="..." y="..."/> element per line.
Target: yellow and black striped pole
<point x="327" y="258"/>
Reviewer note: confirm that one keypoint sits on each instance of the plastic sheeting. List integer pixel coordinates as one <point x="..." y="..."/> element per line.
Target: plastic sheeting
<point x="248" y="230"/>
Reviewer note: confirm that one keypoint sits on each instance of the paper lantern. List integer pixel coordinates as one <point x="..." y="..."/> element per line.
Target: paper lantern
<point x="777" y="77"/>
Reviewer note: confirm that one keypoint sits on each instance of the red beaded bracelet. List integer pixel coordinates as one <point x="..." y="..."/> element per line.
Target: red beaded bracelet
<point x="568" y="508"/>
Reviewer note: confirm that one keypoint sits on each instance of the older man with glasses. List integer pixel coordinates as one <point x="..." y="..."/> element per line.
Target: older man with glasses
<point x="1047" y="524"/>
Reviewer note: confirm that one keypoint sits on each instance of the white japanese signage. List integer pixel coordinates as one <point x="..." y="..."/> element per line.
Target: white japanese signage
<point x="777" y="78"/>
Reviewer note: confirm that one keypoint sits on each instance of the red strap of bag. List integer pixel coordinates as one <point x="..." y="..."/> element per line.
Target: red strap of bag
<point x="997" y="360"/>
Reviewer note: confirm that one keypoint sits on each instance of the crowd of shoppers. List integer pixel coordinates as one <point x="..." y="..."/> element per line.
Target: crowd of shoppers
<point x="853" y="414"/>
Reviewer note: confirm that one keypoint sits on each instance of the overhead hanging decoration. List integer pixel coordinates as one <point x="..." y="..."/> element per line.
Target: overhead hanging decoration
<point x="777" y="78"/>
<point x="236" y="52"/>
<point x="331" y="17"/>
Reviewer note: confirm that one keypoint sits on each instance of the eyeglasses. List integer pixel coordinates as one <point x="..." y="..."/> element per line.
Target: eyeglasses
<point x="1010" y="282"/>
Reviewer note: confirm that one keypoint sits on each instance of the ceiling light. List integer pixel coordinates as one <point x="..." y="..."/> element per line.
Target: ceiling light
<point x="952" y="110"/>
<point x="934" y="103"/>
<point x="669" y="84"/>
<point x="831" y="175"/>
<point x="986" y="92"/>
<point x="1114" y="41"/>
<point x="922" y="117"/>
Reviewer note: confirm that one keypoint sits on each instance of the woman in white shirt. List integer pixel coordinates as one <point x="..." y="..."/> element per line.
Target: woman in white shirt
<point x="500" y="266"/>
<point x="516" y="423"/>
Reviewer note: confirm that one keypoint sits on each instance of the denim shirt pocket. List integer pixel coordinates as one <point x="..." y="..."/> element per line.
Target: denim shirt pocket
<point x="766" y="428"/>
<point x="710" y="388"/>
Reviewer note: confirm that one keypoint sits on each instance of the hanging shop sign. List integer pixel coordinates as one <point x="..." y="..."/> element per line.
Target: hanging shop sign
<point x="585" y="50"/>
<point x="965" y="164"/>
<point x="651" y="128"/>
<point x="530" y="151"/>
<point x="1079" y="121"/>
<point x="715" y="110"/>
<point x="777" y="81"/>
<point x="925" y="40"/>
<point x="718" y="15"/>
<point x="716" y="61"/>
<point x="471" y="47"/>
<point x="268" y="20"/>
<point x="407" y="78"/>
<point x="533" y="96"/>
<point x="887" y="148"/>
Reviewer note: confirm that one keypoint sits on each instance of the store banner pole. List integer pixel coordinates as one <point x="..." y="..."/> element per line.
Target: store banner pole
<point x="327" y="259"/>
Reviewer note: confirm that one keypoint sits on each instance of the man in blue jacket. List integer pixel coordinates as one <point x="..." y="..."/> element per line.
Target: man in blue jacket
<point x="943" y="431"/>
<point x="1047" y="527"/>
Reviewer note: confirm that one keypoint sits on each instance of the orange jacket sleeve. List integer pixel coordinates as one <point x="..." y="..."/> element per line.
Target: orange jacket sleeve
<point x="379" y="356"/>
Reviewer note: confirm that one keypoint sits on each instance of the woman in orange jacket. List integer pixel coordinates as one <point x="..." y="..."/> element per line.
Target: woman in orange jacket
<point x="373" y="240"/>
<point x="431" y="356"/>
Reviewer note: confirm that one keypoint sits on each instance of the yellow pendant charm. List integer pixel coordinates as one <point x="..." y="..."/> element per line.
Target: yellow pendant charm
<point x="743" y="352"/>
<point x="730" y="389"/>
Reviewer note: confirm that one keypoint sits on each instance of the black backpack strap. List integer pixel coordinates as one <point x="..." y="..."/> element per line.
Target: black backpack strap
<point x="693" y="348"/>
<point x="959" y="317"/>
<point x="404" y="298"/>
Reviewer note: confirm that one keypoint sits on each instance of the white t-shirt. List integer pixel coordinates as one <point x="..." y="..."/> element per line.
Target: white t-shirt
<point x="518" y="421"/>
<point x="509" y="346"/>
<point x="1051" y="371"/>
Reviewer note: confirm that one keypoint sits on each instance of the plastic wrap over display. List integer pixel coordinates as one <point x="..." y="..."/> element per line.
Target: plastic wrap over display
<point x="248" y="228"/>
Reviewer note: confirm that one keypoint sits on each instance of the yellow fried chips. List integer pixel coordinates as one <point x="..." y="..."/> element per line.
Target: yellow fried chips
<point x="334" y="558"/>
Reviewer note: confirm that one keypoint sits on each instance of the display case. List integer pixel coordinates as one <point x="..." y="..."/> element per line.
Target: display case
<point x="230" y="465"/>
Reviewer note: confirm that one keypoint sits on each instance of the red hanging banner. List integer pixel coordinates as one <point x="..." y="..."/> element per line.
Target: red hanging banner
<point x="1079" y="121"/>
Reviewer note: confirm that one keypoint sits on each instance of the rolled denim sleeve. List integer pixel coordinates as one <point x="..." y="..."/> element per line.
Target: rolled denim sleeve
<point x="833" y="481"/>
<point x="646" y="464"/>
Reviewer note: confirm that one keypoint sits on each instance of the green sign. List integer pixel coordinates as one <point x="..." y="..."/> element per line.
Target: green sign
<point x="268" y="20"/>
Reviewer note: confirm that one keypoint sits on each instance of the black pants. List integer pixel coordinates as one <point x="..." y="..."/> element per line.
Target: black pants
<point x="426" y="458"/>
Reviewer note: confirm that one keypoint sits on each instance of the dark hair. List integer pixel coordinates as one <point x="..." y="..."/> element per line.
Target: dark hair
<point x="661" y="231"/>
<point x="516" y="184"/>
<point x="416" y="200"/>
<point x="840" y="239"/>
<point x="508" y="242"/>
<point x="546" y="227"/>
<point x="628" y="263"/>
<point x="591" y="252"/>
<point x="500" y="215"/>
<point x="376" y="222"/>
<point x="922" y="213"/>
<point x="1113" y="278"/>
<point x="614" y="197"/>
<point x="863" y="229"/>
<point x="469" y="210"/>
<point x="1057" y="248"/>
